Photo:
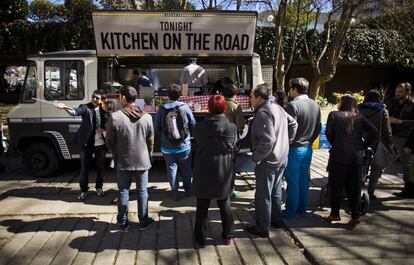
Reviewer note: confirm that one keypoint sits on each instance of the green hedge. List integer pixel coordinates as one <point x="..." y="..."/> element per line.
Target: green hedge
<point x="362" y="45"/>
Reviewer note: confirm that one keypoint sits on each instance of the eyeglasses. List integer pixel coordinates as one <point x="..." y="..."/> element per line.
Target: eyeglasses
<point x="96" y="97"/>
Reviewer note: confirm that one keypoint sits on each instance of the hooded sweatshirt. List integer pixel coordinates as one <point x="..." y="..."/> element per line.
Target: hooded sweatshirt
<point x="130" y="138"/>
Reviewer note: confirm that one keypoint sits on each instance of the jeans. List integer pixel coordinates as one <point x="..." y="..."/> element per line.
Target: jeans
<point x="183" y="162"/>
<point x="297" y="178"/>
<point x="124" y="179"/>
<point x="227" y="221"/>
<point x="268" y="195"/>
<point x="86" y="153"/>
<point x="341" y="175"/>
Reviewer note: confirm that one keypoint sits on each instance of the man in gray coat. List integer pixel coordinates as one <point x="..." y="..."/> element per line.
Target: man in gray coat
<point x="271" y="131"/>
<point x="130" y="138"/>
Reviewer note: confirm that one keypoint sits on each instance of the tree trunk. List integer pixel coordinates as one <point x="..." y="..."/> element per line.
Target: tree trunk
<point x="184" y="4"/>
<point x="317" y="81"/>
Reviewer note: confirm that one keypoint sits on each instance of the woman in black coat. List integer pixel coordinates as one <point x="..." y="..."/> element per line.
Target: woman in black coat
<point x="215" y="138"/>
<point x="345" y="130"/>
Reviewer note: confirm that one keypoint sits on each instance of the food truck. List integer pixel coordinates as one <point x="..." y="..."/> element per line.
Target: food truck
<point x="155" y="43"/>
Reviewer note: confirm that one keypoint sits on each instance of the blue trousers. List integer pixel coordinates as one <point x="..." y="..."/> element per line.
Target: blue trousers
<point x="297" y="178"/>
<point x="180" y="161"/>
<point x="268" y="195"/>
<point x="124" y="179"/>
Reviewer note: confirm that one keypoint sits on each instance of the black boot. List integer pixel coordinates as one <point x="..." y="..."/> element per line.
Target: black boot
<point x="407" y="192"/>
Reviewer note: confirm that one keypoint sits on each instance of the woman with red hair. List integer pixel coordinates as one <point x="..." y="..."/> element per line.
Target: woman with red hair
<point x="215" y="139"/>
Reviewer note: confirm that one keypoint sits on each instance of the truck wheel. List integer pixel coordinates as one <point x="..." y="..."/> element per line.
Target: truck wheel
<point x="40" y="160"/>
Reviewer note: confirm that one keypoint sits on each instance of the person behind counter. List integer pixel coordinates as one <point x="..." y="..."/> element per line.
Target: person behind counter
<point x="174" y="122"/>
<point x="142" y="80"/>
<point x="194" y="75"/>
<point x="219" y="86"/>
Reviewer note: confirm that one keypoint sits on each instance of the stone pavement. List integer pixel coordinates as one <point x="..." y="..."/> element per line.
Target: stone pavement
<point x="41" y="222"/>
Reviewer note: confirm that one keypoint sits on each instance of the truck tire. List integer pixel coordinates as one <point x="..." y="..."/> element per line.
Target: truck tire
<point x="40" y="160"/>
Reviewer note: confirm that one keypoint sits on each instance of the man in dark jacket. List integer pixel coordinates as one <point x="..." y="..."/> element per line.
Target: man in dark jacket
<point x="91" y="138"/>
<point x="308" y="115"/>
<point x="270" y="137"/>
<point x="409" y="150"/>
<point x="130" y="138"/>
<point x="401" y="112"/>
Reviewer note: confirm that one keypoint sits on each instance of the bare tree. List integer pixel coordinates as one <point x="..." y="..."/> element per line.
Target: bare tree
<point x="284" y="57"/>
<point x="324" y="62"/>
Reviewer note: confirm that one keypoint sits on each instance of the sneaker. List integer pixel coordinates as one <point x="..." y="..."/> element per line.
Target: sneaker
<point x="228" y="241"/>
<point x="253" y="230"/>
<point x="331" y="219"/>
<point x="125" y="227"/>
<point x="82" y="196"/>
<point x="354" y="221"/>
<point x="146" y="224"/>
<point x="100" y="192"/>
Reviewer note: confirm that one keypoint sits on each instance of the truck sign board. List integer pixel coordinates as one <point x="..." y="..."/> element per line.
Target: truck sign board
<point x="129" y="33"/>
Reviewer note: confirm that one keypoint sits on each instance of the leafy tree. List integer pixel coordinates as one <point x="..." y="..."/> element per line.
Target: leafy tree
<point x="399" y="19"/>
<point x="11" y="10"/>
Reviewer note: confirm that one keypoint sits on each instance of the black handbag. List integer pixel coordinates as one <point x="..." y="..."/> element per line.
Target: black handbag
<point x="383" y="156"/>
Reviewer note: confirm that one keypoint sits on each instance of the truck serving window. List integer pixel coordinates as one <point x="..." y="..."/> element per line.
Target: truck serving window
<point x="30" y="84"/>
<point x="64" y="80"/>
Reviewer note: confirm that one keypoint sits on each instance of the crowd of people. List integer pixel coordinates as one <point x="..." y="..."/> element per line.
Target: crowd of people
<point x="282" y="134"/>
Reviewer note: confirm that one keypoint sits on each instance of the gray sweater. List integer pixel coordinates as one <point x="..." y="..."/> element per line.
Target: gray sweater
<point x="272" y="130"/>
<point x="308" y="115"/>
<point x="130" y="140"/>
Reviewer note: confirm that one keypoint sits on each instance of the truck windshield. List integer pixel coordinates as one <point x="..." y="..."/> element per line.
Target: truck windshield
<point x="30" y="84"/>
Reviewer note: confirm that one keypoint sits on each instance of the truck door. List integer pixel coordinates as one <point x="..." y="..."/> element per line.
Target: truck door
<point x="64" y="81"/>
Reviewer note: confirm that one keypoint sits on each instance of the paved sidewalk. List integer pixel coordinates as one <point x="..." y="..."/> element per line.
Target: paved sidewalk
<point x="41" y="222"/>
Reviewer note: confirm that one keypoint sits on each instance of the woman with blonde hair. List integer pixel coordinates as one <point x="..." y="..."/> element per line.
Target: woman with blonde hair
<point x="345" y="130"/>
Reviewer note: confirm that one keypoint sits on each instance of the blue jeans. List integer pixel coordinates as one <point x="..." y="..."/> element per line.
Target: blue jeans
<point x="124" y="179"/>
<point x="183" y="162"/>
<point x="297" y="178"/>
<point x="268" y="195"/>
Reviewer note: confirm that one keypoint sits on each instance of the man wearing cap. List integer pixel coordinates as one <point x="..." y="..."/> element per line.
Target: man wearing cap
<point x="193" y="75"/>
<point x="308" y="116"/>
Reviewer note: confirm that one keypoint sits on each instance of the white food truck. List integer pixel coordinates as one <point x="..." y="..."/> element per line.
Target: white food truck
<point x="156" y="43"/>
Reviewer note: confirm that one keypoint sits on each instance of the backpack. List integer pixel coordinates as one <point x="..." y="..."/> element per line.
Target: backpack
<point x="175" y="125"/>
